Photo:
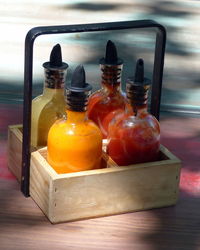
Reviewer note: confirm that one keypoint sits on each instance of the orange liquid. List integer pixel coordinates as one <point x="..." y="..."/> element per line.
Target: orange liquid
<point x="74" y="144"/>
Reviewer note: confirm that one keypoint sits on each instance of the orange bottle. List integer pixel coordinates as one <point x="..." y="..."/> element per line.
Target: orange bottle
<point x="134" y="137"/>
<point x="104" y="103"/>
<point x="75" y="144"/>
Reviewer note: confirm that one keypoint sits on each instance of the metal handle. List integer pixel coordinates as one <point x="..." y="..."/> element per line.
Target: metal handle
<point x="28" y="74"/>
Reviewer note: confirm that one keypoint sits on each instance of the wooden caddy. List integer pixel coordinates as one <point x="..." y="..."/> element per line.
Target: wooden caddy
<point x="94" y="193"/>
<point x="107" y="191"/>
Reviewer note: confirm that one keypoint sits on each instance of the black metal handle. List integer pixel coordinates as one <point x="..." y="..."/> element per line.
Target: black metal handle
<point x="28" y="74"/>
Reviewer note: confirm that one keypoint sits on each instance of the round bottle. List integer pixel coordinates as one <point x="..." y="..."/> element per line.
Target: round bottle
<point x="75" y="143"/>
<point x="134" y="137"/>
<point x="106" y="102"/>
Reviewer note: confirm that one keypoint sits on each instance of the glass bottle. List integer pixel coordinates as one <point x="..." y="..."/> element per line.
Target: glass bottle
<point x="49" y="106"/>
<point x="104" y="103"/>
<point x="75" y="144"/>
<point x="134" y="137"/>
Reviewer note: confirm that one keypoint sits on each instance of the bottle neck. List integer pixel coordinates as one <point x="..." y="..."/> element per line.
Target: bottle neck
<point x="111" y="78"/>
<point x="75" y="116"/>
<point x="137" y="97"/>
<point x="77" y="101"/>
<point x="134" y="109"/>
<point x="138" y="110"/>
<point x="54" y="78"/>
<point x="53" y="93"/>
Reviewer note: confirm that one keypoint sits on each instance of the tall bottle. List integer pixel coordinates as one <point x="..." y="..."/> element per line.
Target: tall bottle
<point x="75" y="143"/>
<point x="134" y="137"/>
<point x="104" y="103"/>
<point x="49" y="106"/>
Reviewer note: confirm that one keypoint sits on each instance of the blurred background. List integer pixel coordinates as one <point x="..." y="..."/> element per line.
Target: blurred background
<point x="181" y="79"/>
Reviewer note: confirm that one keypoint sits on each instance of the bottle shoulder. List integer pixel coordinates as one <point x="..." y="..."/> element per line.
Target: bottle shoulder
<point x="44" y="99"/>
<point x="37" y="99"/>
<point x="101" y="100"/>
<point x="85" y="128"/>
<point x="101" y="93"/>
<point x="130" y="121"/>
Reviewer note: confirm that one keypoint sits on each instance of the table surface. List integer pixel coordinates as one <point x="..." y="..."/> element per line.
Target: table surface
<point x="24" y="226"/>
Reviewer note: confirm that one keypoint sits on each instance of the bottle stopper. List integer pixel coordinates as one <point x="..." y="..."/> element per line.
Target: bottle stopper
<point x="55" y="62"/>
<point x="78" y="91"/>
<point x="138" y="86"/>
<point x="111" y="57"/>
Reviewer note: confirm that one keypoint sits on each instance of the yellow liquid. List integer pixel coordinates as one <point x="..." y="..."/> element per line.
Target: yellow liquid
<point x="46" y="109"/>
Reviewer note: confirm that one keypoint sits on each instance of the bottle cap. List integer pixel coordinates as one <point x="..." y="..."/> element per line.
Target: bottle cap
<point x="78" y="82"/>
<point x="55" y="62"/>
<point x="139" y="79"/>
<point x="111" y="57"/>
<point x="137" y="87"/>
<point x="78" y="92"/>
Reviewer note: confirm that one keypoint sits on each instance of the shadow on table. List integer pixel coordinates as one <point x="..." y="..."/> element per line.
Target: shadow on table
<point x="178" y="227"/>
<point x="15" y="209"/>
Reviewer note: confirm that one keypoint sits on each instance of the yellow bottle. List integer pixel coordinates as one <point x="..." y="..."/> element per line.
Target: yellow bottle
<point x="49" y="106"/>
<point x="75" y="143"/>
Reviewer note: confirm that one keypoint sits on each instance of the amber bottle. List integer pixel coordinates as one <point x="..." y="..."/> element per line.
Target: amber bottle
<point x="104" y="103"/>
<point x="75" y="143"/>
<point x="134" y="137"/>
<point x="49" y="106"/>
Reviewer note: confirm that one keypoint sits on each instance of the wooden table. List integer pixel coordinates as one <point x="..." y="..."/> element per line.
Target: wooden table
<point x="23" y="225"/>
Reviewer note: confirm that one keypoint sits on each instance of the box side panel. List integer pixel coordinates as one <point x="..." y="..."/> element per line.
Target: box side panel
<point x="14" y="150"/>
<point x="115" y="192"/>
<point x="40" y="183"/>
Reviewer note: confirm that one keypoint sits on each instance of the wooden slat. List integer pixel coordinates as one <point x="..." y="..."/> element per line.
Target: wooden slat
<point x="40" y="183"/>
<point x="108" y="191"/>
<point x="115" y="192"/>
<point x="14" y="150"/>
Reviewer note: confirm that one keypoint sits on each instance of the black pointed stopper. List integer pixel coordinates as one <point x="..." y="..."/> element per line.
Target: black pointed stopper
<point x="56" y="56"/>
<point x="111" y="53"/>
<point x="111" y="57"/>
<point x="78" y="91"/>
<point x="78" y="77"/>
<point x="55" y="62"/>
<point x="139" y="71"/>
<point x="137" y="87"/>
<point x="139" y="79"/>
<point x="78" y="82"/>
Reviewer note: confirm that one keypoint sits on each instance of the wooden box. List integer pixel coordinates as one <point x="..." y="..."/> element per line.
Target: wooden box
<point x="101" y="192"/>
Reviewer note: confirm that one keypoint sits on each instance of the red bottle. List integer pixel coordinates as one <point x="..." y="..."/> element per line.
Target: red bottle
<point x="134" y="137"/>
<point x="104" y="103"/>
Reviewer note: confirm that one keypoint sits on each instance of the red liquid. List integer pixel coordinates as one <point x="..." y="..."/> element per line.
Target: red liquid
<point x="102" y="107"/>
<point x="134" y="139"/>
